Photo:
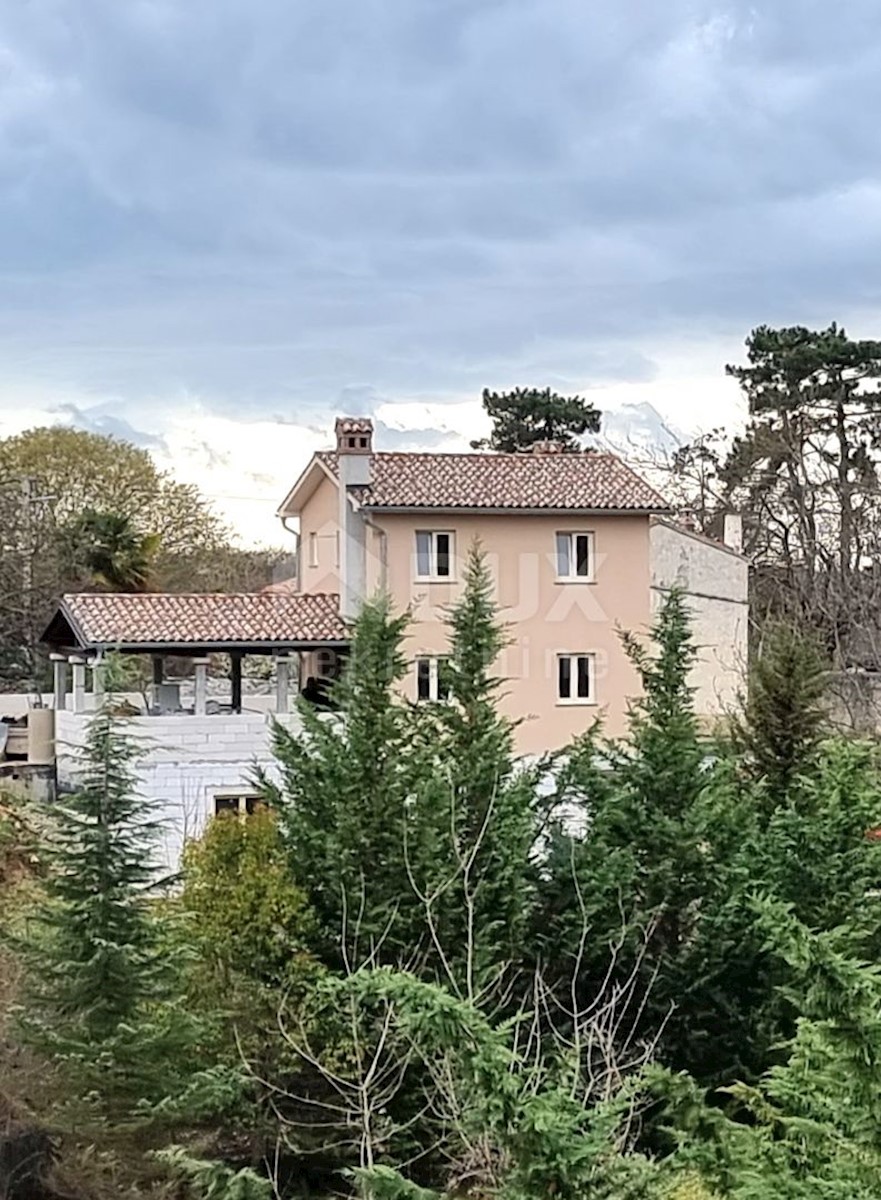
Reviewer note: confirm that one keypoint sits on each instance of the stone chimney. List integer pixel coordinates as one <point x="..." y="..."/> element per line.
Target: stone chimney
<point x="732" y="532"/>
<point x="354" y="445"/>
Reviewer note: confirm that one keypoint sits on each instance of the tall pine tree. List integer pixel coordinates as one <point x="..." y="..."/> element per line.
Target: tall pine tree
<point x="344" y="800"/>
<point x="478" y="803"/>
<point x="785" y="715"/>
<point x="99" y="982"/>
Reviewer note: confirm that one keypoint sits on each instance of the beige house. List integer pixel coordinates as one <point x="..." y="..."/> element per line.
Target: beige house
<point x="580" y="547"/>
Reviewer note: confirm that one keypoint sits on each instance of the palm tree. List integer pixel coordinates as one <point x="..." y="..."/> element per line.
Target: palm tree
<point x="115" y="555"/>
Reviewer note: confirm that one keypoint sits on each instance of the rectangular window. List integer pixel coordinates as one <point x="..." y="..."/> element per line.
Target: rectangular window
<point x="575" y="556"/>
<point x="576" y="679"/>
<point x="431" y="681"/>
<point x="434" y="555"/>
<point x="243" y="803"/>
<point x="313" y="549"/>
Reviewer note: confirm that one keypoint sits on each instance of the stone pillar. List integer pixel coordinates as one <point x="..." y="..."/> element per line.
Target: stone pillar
<point x="99" y="671"/>
<point x="201" y="685"/>
<point x="79" y="684"/>
<point x="41" y="736"/>
<point x="59" y="680"/>
<point x="282" y="683"/>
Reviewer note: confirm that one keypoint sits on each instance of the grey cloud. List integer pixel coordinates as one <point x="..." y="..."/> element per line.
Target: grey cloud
<point x="98" y="420"/>
<point x="280" y="208"/>
<point x="409" y="439"/>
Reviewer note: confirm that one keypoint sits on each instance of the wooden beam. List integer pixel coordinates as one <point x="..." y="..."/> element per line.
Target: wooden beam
<point x="235" y="660"/>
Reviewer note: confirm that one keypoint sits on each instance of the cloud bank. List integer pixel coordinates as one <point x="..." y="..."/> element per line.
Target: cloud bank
<point x="264" y="212"/>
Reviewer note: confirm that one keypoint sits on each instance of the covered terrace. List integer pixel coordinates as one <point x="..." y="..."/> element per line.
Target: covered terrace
<point x="304" y="632"/>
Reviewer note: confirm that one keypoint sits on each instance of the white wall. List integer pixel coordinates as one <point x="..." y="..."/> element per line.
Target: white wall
<point x="186" y="760"/>
<point x="715" y="582"/>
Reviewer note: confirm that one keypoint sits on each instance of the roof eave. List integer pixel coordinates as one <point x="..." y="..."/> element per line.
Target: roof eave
<point x="65" y="611"/>
<point x="481" y="510"/>
<point x="197" y="648"/>
<point x="292" y="505"/>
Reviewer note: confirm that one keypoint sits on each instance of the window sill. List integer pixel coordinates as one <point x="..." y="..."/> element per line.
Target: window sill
<point x="576" y="703"/>
<point x="578" y="579"/>
<point x="434" y="579"/>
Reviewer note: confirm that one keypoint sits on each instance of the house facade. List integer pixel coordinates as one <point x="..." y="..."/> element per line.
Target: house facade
<point x="579" y="548"/>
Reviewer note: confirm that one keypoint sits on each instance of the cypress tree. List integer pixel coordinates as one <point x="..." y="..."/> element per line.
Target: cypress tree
<point x="785" y="717"/>
<point x="346" y="783"/>
<point x="477" y="800"/>
<point x="643" y="868"/>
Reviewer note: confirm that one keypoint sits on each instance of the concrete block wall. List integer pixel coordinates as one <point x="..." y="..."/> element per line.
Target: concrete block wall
<point x="715" y="583"/>
<point x="186" y="760"/>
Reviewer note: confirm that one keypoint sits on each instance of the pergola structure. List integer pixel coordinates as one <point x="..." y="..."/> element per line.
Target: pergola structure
<point x="89" y="626"/>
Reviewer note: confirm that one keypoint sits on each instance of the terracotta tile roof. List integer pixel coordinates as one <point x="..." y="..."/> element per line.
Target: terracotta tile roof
<point x="200" y="619"/>
<point x="586" y="481"/>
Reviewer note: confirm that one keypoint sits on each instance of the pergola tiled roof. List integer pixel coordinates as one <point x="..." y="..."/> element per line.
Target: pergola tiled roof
<point x="192" y="621"/>
<point x="587" y="481"/>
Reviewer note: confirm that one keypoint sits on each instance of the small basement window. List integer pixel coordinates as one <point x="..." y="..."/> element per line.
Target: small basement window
<point x="243" y="803"/>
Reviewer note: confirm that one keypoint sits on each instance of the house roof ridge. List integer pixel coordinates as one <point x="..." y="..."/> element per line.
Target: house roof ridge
<point x="489" y="455"/>
<point x="500" y="481"/>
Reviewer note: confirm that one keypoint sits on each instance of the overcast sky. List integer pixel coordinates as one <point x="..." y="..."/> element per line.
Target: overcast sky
<point x="224" y="221"/>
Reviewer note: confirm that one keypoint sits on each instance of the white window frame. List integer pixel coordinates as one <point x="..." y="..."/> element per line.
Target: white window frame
<point x="313" y="549"/>
<point x="434" y="661"/>
<point x="433" y="535"/>
<point x="243" y="801"/>
<point x="574" y="656"/>
<point x="571" y="536"/>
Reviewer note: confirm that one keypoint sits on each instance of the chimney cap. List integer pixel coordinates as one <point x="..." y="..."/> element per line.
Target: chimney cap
<point x="354" y="435"/>
<point x="547" y="446"/>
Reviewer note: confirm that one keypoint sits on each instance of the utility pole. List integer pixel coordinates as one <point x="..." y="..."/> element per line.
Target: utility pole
<point x="27" y="577"/>
<point x="25" y="538"/>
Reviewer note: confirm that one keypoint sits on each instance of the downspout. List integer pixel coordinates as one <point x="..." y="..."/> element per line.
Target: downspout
<point x="383" y="549"/>
<point x="295" y="534"/>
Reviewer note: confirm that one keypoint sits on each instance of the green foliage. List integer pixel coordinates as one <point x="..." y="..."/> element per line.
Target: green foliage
<point x="681" y="834"/>
<point x="525" y="416"/>
<point x="542" y="1140"/>
<point x="795" y="367"/>
<point x="642" y="867"/>
<point x="343" y="804"/>
<point x="810" y="1127"/>
<point x="246" y="914"/>
<point x="385" y="1183"/>
<point x="406" y="984"/>
<point x="112" y="553"/>
<point x="98" y="961"/>
<point x="100" y="992"/>
<point x="208" y="1180"/>
<point x="410" y="829"/>
<point x="785" y="714"/>
<point x="75" y="506"/>
<point x="475" y="811"/>
<point x="807" y="472"/>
